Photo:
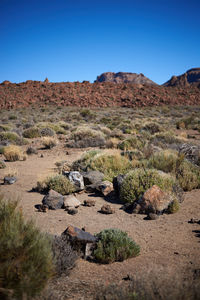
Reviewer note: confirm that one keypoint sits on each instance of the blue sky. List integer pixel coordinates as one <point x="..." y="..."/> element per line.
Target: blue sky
<point x="76" y="40"/>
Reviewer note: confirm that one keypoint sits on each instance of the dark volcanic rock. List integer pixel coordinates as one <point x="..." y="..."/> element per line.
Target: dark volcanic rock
<point x="53" y="200"/>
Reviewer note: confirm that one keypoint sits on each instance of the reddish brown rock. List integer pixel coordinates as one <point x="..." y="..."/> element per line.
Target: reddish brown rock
<point x="107" y="209"/>
<point x="154" y="200"/>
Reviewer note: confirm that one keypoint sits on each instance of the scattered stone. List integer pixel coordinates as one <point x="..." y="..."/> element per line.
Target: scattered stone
<point x="2" y="164"/>
<point x="92" y="177"/>
<point x="42" y="155"/>
<point x="191" y="152"/>
<point x="31" y="150"/>
<point x="117" y="182"/>
<point x="128" y="277"/>
<point x="53" y="200"/>
<point x="107" y="209"/>
<point x="154" y="201"/>
<point x="9" y="180"/>
<point x="72" y="211"/>
<point x="70" y="201"/>
<point x="194" y="221"/>
<point x="43" y="208"/>
<point x="76" y="178"/>
<point x="152" y="216"/>
<point x="105" y="187"/>
<point x="89" y="202"/>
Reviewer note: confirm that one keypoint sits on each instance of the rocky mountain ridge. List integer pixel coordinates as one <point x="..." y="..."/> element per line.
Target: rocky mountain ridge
<point x="190" y="77"/>
<point x="124" y="77"/>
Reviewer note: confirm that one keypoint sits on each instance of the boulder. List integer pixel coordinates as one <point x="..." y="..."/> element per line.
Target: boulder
<point x="107" y="209"/>
<point x="76" y="234"/>
<point x="72" y="211"/>
<point x="105" y="187"/>
<point x="89" y="202"/>
<point x="53" y="200"/>
<point x="92" y="177"/>
<point x="76" y="178"/>
<point x="70" y="201"/>
<point x="154" y="201"/>
<point x="117" y="182"/>
<point x="9" y="180"/>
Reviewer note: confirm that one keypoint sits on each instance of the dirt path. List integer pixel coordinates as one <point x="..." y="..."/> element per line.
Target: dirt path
<point x="169" y="246"/>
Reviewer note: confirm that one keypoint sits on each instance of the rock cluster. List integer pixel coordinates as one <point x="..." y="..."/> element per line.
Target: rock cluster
<point x="99" y="94"/>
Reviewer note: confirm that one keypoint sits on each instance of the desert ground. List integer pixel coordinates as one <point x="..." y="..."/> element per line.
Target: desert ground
<point x="170" y="245"/>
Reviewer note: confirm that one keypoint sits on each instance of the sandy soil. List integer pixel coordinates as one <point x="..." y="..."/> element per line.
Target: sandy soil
<point x="169" y="246"/>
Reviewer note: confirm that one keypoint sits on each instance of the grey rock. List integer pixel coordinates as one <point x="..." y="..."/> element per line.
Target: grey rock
<point x="76" y="178"/>
<point x="71" y="201"/>
<point x="9" y="180"/>
<point x="92" y="177"/>
<point x="53" y="200"/>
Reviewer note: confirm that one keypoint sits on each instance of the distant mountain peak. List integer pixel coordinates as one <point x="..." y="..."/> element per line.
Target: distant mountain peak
<point x="124" y="77"/>
<point x="190" y="77"/>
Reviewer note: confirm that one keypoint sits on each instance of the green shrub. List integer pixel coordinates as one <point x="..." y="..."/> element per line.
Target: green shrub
<point x="4" y="127"/>
<point x="165" y="138"/>
<point x="10" y="136"/>
<point x="58" y="183"/>
<point x="84" y="162"/>
<point x="31" y="133"/>
<point x="136" y="183"/>
<point x="188" y="176"/>
<point x="56" y="127"/>
<point x="173" y="207"/>
<point x="131" y="143"/>
<point x="86" y="137"/>
<point x="111" y="164"/>
<point x="165" y="161"/>
<point x="152" y="128"/>
<point x="114" y="245"/>
<point x="25" y="255"/>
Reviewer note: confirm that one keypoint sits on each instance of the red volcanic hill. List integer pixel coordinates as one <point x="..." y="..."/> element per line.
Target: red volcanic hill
<point x="85" y="94"/>
<point x="191" y="77"/>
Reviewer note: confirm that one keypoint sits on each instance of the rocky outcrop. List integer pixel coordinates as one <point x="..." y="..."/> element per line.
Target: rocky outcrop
<point x="124" y="77"/>
<point x="191" y="77"/>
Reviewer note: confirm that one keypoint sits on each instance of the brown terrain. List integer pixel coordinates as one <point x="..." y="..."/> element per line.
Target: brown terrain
<point x="169" y="246"/>
<point x="98" y="94"/>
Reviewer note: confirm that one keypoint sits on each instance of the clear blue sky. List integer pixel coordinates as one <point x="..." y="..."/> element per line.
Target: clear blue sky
<point x="76" y="40"/>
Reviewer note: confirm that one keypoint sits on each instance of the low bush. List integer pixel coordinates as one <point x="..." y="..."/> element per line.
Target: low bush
<point x="131" y="143"/>
<point x="58" y="183"/>
<point x="114" y="245"/>
<point x="86" y="137"/>
<point x="12" y="153"/>
<point x="49" y="142"/>
<point x="2" y="164"/>
<point x="25" y="255"/>
<point x="152" y="128"/>
<point x="12" y="137"/>
<point x="32" y="132"/>
<point x="56" y="127"/>
<point x="83" y="164"/>
<point x="173" y="207"/>
<point x="63" y="254"/>
<point x="188" y="176"/>
<point x="166" y="138"/>
<point x="165" y="161"/>
<point x="136" y="183"/>
<point x="47" y="132"/>
<point x="111" y="164"/>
